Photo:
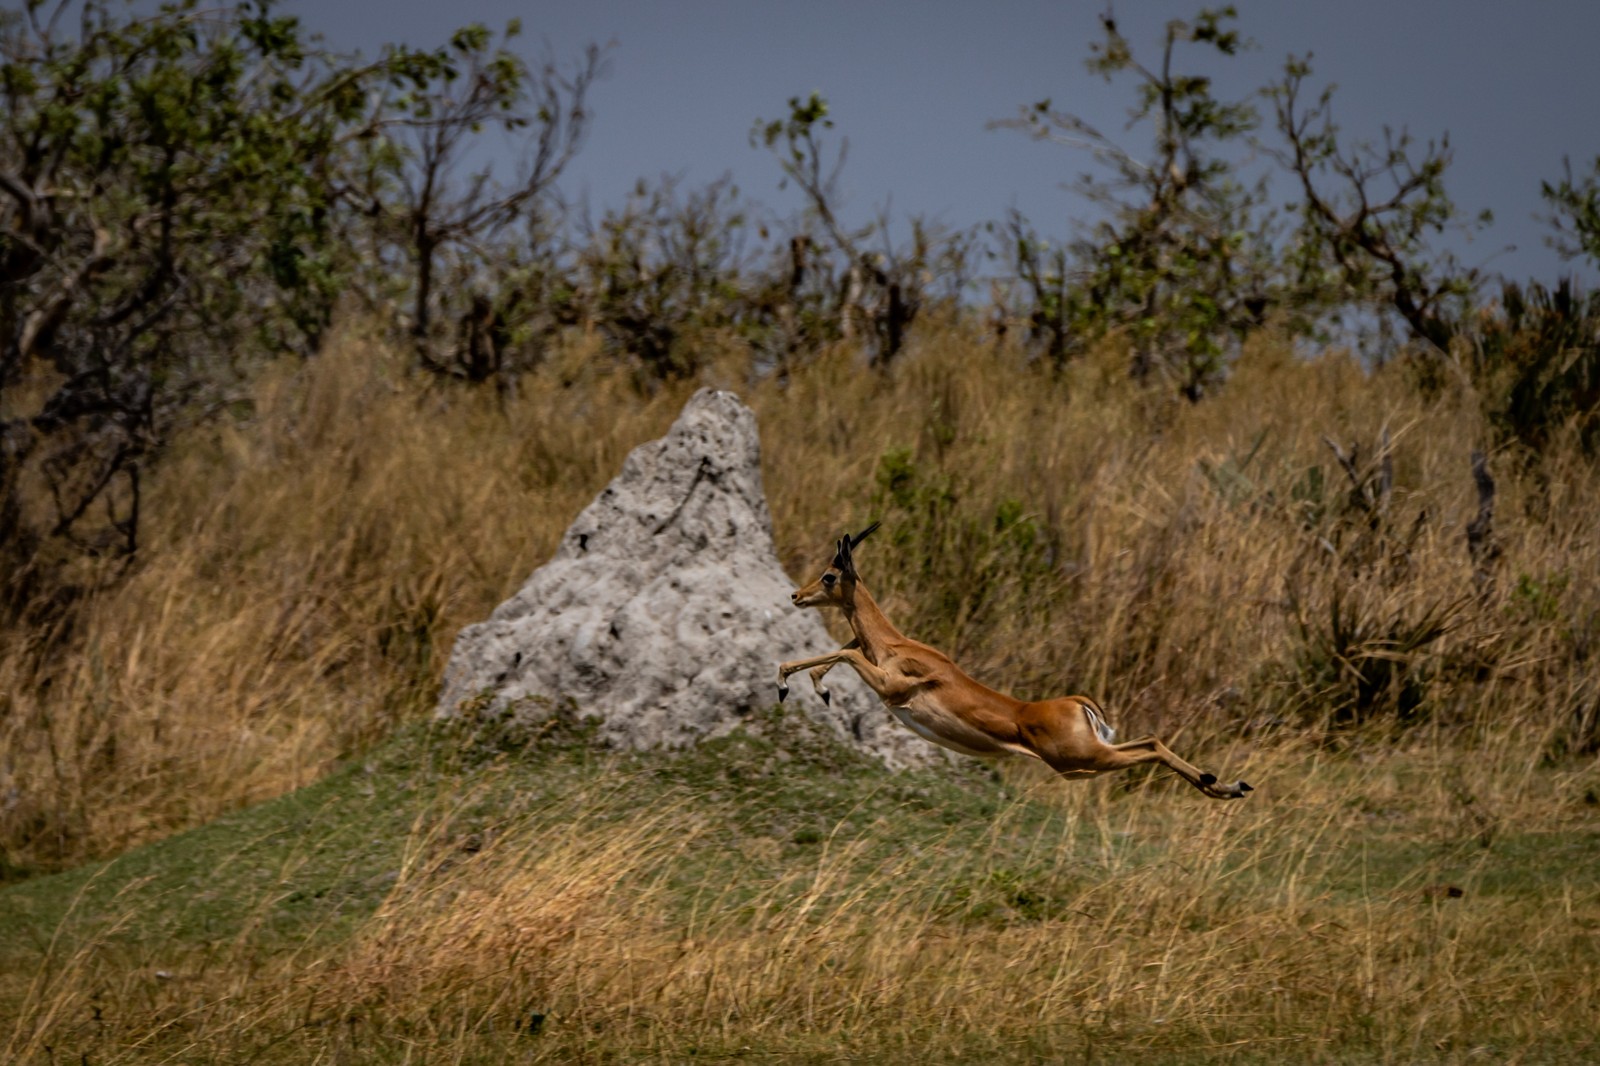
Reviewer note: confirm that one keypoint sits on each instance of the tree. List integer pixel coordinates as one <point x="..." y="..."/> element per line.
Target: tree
<point x="887" y="284"/>
<point x="1367" y="212"/>
<point x="164" y="200"/>
<point x="667" y="268"/>
<point x="187" y="193"/>
<point x="1576" y="206"/>
<point x="1180" y="259"/>
<point x="1054" y="307"/>
<point x="439" y="102"/>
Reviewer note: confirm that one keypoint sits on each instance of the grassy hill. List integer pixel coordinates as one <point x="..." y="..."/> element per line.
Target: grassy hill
<point x="772" y="894"/>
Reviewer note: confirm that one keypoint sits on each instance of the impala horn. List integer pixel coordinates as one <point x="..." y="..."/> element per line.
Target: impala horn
<point x="841" y="554"/>
<point x="863" y="535"/>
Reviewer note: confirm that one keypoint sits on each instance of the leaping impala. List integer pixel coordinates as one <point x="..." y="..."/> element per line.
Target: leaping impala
<point x="940" y="703"/>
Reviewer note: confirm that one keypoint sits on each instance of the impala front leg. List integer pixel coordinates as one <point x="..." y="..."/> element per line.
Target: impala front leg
<point x="878" y="679"/>
<point x="818" y="672"/>
<point x="795" y="666"/>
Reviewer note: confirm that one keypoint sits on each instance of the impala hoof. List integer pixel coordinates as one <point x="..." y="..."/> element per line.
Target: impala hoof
<point x="783" y="693"/>
<point x="1245" y="787"/>
<point x="827" y="698"/>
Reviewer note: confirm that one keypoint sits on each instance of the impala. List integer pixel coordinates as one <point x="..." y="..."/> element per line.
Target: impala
<point x="936" y="700"/>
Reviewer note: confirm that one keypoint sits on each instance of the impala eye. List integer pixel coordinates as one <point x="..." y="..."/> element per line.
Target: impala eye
<point x="829" y="579"/>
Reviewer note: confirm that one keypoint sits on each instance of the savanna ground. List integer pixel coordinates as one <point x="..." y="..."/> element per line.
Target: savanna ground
<point x="235" y="837"/>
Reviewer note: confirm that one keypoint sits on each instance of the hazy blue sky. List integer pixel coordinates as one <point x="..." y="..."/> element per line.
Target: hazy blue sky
<point x="912" y="85"/>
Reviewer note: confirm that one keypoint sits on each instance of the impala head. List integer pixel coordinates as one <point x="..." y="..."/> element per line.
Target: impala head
<point x="837" y="584"/>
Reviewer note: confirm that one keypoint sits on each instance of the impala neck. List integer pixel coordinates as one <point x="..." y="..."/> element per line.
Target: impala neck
<point x="871" y="626"/>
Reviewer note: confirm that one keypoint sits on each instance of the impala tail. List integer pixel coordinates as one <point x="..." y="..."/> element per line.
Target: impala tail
<point x="1097" y="720"/>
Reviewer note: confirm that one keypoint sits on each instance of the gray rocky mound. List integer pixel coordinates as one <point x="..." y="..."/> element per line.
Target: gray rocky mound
<point x="664" y="612"/>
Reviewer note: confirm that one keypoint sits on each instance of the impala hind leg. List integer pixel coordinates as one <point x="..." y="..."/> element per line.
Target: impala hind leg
<point x="1073" y="737"/>
<point x="1151" y="749"/>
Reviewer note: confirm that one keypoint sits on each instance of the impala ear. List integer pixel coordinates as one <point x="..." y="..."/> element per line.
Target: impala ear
<point x="842" y="561"/>
<point x="841" y="554"/>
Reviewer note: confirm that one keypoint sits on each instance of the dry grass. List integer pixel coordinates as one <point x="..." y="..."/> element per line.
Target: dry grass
<point x="304" y="574"/>
<point x="1199" y="568"/>
<point x="1312" y="926"/>
<point x="306" y="568"/>
<point x="844" y="957"/>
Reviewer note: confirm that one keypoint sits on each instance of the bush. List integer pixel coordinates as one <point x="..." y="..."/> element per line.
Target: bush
<point x="1535" y="361"/>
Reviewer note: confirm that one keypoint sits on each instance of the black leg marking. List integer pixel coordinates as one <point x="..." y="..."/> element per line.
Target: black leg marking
<point x="1208" y="779"/>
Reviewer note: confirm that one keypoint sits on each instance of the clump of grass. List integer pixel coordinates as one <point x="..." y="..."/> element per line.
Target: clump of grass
<point x="521" y="915"/>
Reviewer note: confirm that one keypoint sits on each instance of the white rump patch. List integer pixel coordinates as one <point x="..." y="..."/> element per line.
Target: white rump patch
<point x="1107" y="734"/>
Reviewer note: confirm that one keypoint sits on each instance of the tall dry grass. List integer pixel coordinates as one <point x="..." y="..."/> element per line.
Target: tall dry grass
<point x="306" y="566"/>
<point x="1183" y="562"/>
<point x="304" y="571"/>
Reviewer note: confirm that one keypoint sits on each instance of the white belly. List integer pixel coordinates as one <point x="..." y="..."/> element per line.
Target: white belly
<point x="923" y="730"/>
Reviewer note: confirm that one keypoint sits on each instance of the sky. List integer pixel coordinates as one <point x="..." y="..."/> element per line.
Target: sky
<point x="913" y="86"/>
